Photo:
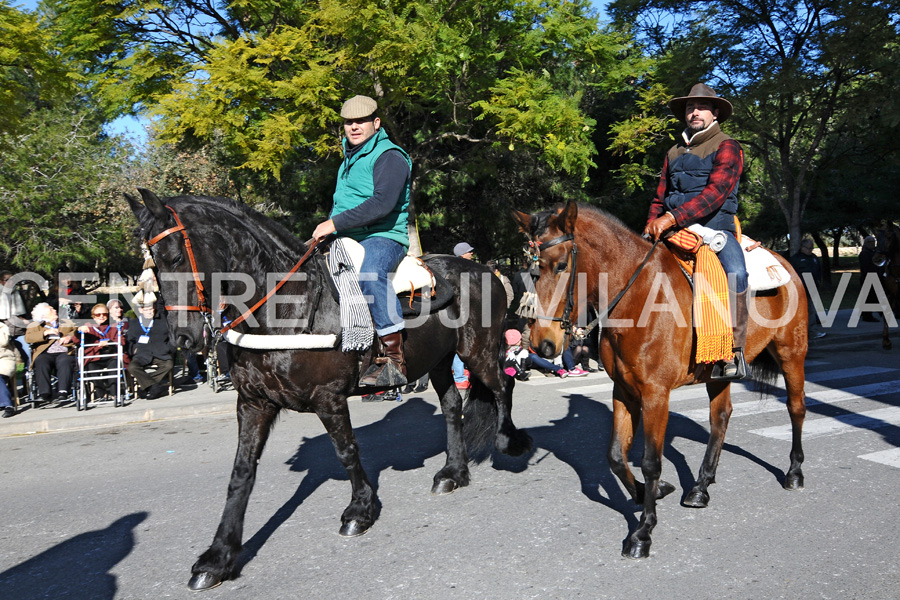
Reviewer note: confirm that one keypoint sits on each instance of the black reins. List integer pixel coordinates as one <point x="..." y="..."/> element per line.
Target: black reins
<point x="564" y="321"/>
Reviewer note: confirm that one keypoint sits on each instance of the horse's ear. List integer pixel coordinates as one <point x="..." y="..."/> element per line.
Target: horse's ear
<point x="156" y="206"/>
<point x="134" y="204"/>
<point x="565" y="220"/>
<point x="523" y="220"/>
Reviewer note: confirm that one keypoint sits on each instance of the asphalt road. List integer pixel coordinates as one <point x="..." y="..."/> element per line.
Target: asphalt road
<point x="123" y="512"/>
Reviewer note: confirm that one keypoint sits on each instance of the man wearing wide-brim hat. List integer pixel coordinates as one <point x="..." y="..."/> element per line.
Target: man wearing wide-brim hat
<point x="371" y="205"/>
<point x="699" y="184"/>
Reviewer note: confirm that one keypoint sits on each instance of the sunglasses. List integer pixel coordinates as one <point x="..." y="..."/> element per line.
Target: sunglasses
<point x="101" y="314"/>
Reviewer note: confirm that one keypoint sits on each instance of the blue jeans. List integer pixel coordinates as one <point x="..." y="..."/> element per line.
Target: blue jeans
<point x="567" y="359"/>
<point x="732" y="259"/>
<point x="459" y="369"/>
<point x="542" y="363"/>
<point x="5" y="397"/>
<point x="382" y="257"/>
<point x="25" y="348"/>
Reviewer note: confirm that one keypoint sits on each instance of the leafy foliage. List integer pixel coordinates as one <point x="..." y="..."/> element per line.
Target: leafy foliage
<point x="799" y="73"/>
<point x="62" y="208"/>
<point x="30" y="75"/>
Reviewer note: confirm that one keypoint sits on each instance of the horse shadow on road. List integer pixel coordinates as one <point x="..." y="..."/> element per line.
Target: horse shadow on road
<point x="77" y="568"/>
<point x="581" y="439"/>
<point x="402" y="440"/>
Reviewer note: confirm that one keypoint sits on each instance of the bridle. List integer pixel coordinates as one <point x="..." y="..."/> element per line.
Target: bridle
<point x="202" y="305"/>
<point x="534" y="249"/>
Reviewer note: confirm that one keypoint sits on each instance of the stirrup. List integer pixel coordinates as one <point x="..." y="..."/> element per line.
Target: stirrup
<point x="383" y="375"/>
<point x="731" y="370"/>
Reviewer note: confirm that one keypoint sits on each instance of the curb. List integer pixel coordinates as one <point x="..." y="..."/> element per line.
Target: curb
<point x="109" y="416"/>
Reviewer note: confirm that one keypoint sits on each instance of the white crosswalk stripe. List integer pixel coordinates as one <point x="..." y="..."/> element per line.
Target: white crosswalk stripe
<point x="890" y="458"/>
<point x="836" y="425"/>
<point x="823" y="387"/>
<point x="831" y="396"/>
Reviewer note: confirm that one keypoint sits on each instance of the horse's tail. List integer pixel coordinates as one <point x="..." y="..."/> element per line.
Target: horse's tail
<point x="764" y="370"/>
<point x="480" y="420"/>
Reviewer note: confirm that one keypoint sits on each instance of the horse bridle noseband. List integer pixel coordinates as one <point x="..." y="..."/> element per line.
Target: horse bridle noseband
<point x="565" y="321"/>
<point x="202" y="305"/>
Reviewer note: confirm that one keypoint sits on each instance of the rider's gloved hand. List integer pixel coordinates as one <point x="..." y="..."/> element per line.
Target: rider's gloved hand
<point x="659" y="226"/>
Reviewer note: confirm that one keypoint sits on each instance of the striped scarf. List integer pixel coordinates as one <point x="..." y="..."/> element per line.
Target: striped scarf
<point x="357" y="332"/>
<point x="712" y="314"/>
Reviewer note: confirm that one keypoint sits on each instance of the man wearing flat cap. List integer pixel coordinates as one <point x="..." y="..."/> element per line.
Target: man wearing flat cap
<point x="464" y="250"/>
<point x="699" y="184"/>
<point x="371" y="205"/>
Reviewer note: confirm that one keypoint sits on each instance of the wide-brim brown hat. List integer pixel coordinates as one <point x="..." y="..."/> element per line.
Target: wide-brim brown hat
<point x="358" y="107"/>
<point x="701" y="91"/>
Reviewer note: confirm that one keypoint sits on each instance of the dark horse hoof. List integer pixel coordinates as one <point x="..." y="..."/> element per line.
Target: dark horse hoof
<point x="636" y="548"/>
<point x="444" y="486"/>
<point x="518" y="444"/>
<point x="793" y="482"/>
<point x="696" y="499"/>
<point x="353" y="529"/>
<point x="664" y="489"/>
<point x="204" y="581"/>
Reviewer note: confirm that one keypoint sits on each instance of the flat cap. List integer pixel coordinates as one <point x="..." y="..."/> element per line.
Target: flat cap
<point x="461" y="248"/>
<point x="358" y="107"/>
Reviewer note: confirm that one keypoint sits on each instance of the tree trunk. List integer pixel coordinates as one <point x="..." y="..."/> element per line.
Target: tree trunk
<point x="826" y="261"/>
<point x="836" y="251"/>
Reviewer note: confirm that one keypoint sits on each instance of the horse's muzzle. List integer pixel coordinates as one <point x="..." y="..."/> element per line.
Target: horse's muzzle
<point x="189" y="344"/>
<point x="547" y="349"/>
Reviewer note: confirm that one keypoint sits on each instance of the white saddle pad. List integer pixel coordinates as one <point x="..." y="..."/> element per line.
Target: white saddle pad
<point x="764" y="270"/>
<point x="411" y="274"/>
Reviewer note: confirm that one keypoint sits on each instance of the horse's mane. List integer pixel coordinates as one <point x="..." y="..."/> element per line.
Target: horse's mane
<point x="260" y="225"/>
<point x="587" y="212"/>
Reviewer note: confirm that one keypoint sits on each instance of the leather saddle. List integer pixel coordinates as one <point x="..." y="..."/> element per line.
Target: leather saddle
<point x="417" y="286"/>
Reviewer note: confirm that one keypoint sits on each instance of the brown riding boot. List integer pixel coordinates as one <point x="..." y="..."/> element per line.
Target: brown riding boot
<point x="737" y="367"/>
<point x="388" y="370"/>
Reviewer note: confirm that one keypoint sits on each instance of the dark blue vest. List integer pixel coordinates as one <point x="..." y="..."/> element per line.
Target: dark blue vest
<point x="689" y="169"/>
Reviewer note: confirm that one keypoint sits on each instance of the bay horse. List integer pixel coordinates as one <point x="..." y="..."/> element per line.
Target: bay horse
<point x="198" y="239"/>
<point x="648" y="353"/>
<point x="887" y="258"/>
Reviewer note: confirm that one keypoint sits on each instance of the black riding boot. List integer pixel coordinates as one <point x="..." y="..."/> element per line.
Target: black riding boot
<point x="737" y="367"/>
<point x="388" y="370"/>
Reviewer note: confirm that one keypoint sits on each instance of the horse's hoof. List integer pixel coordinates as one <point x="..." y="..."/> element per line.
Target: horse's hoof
<point x="664" y="489"/>
<point x="444" y="486"/>
<point x="353" y="529"/>
<point x="696" y="499"/>
<point x="636" y="549"/>
<point x="516" y="444"/>
<point x="794" y="482"/>
<point x="204" y="581"/>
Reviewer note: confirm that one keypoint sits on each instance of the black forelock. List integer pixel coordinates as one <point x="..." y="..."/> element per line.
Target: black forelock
<point x="541" y="221"/>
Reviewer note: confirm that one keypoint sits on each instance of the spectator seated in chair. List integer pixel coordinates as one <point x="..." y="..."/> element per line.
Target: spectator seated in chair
<point x="100" y="350"/>
<point x="7" y="371"/>
<point x="149" y="349"/>
<point x="53" y="345"/>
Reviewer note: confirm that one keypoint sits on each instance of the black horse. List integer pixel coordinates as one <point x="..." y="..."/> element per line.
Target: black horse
<point x="226" y="237"/>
